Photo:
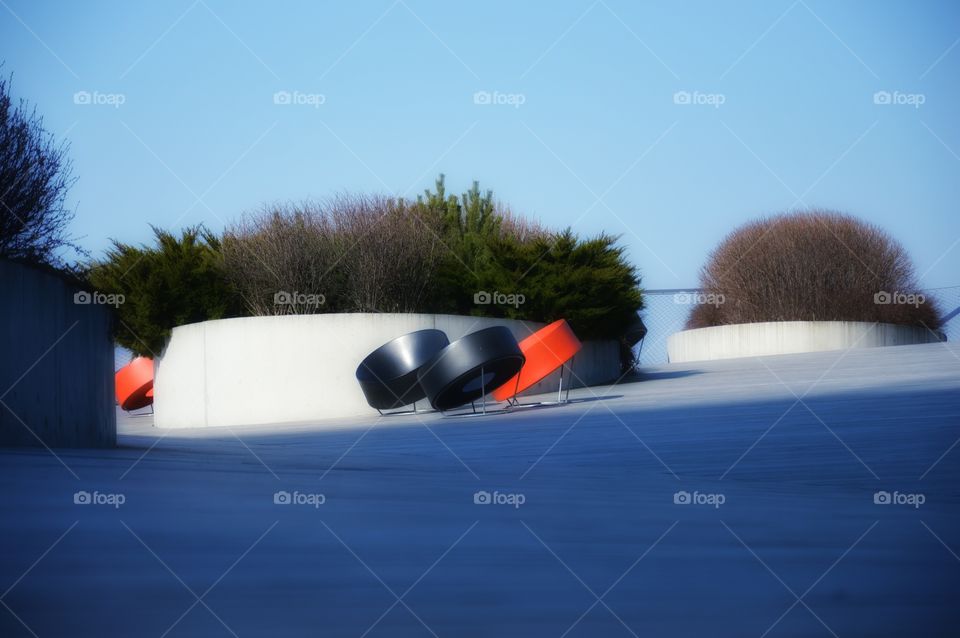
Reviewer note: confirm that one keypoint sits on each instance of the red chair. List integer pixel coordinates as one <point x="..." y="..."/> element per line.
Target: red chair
<point x="134" y="384"/>
<point x="546" y="350"/>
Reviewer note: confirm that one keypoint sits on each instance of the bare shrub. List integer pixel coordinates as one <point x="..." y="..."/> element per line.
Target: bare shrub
<point x="518" y="227"/>
<point x="388" y="251"/>
<point x="359" y="253"/>
<point x="811" y="266"/>
<point x="282" y="248"/>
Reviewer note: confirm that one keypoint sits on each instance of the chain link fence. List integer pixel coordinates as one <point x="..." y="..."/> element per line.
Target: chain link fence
<point x="667" y="311"/>
<point x="948" y="299"/>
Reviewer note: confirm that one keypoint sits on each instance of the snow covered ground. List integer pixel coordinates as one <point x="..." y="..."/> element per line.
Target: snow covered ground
<point x="776" y="464"/>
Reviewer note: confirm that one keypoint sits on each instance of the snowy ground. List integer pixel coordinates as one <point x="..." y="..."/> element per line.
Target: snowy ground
<point x="795" y="447"/>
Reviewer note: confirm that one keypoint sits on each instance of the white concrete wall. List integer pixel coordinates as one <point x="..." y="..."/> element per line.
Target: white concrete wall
<point x="56" y="363"/>
<point x="788" y="337"/>
<point x="296" y="368"/>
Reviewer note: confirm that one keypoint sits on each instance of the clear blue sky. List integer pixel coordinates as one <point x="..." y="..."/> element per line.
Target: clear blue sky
<point x="598" y="119"/>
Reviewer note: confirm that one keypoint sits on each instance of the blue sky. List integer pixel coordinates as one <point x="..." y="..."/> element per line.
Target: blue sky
<point x="669" y="123"/>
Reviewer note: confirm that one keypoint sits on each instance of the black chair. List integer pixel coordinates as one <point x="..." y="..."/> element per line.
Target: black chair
<point x="471" y="367"/>
<point x="388" y="375"/>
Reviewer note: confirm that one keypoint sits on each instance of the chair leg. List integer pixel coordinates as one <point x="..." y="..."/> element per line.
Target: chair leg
<point x="566" y="398"/>
<point x="483" y="389"/>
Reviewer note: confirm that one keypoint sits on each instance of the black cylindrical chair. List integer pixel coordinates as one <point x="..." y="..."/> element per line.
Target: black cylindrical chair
<point x="388" y="375"/>
<point x="471" y="367"/>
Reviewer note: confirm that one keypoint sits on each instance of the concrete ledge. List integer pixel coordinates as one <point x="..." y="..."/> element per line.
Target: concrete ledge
<point x="789" y="337"/>
<point x="301" y="368"/>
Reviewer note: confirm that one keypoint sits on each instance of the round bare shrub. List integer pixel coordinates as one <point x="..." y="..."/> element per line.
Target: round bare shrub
<point x="811" y="266"/>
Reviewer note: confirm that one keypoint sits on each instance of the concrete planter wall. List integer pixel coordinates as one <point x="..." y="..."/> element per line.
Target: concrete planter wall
<point x="297" y="368"/>
<point x="56" y="363"/>
<point x="787" y="337"/>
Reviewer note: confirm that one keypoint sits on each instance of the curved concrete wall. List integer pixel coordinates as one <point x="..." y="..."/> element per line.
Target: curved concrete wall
<point x="788" y="337"/>
<point x="296" y="368"/>
<point x="56" y="363"/>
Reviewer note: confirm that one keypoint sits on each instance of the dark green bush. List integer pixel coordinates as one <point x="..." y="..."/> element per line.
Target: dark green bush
<point x="176" y="281"/>
<point x="587" y="282"/>
<point x="537" y="275"/>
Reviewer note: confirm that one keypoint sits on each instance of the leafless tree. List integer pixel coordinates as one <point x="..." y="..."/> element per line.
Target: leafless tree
<point x="35" y="175"/>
